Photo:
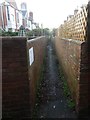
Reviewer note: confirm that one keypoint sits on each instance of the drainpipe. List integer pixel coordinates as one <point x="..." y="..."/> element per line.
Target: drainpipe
<point x="2" y="17"/>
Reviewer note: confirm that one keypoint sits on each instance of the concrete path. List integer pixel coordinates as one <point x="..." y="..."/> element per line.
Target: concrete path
<point x="53" y="103"/>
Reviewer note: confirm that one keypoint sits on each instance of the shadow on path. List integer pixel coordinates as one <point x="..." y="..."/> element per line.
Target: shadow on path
<point x="53" y="103"/>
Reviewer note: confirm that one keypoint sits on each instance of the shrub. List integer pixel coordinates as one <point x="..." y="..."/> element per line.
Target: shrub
<point x="1" y="32"/>
<point x="9" y="33"/>
<point x="30" y="33"/>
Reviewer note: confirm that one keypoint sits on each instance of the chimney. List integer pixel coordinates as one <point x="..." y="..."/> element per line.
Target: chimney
<point x="75" y="11"/>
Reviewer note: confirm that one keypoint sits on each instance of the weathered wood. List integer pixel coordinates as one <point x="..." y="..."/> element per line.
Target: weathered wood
<point x="75" y="26"/>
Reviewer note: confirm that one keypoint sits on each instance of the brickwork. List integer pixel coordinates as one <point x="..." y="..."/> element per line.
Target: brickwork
<point x="19" y="79"/>
<point x="83" y="103"/>
<point x="88" y="46"/>
<point x="0" y="78"/>
<point x="15" y="83"/>
<point x="73" y="57"/>
<point x="38" y="45"/>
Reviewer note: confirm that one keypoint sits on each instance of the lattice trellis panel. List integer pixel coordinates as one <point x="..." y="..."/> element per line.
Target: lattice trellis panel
<point x="75" y="27"/>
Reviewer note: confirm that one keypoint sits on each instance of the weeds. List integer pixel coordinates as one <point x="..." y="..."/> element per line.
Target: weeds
<point x="66" y="90"/>
<point x="71" y="103"/>
<point x="38" y="87"/>
<point x="67" y="93"/>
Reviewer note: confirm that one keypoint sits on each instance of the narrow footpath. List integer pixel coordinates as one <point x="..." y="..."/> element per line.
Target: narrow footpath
<point x="53" y="103"/>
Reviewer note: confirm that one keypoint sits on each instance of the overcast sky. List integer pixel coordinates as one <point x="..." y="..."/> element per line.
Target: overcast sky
<point x="51" y="13"/>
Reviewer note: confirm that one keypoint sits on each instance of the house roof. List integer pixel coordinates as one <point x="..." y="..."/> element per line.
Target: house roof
<point x="13" y="3"/>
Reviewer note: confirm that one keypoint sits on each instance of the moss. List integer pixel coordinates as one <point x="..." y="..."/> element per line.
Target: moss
<point x="66" y="90"/>
<point x="71" y="104"/>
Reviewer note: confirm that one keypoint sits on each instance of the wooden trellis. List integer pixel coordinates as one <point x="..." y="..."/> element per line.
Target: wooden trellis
<point x="75" y="26"/>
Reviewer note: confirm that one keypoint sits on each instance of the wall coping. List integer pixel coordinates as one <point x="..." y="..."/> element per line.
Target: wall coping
<point x="31" y="40"/>
<point x="74" y="41"/>
<point x="13" y="38"/>
<point x="20" y="38"/>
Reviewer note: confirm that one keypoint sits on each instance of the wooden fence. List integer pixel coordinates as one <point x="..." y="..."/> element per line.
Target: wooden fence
<point x="75" y="25"/>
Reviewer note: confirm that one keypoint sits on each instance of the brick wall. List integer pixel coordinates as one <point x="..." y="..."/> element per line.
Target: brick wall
<point x="88" y="46"/>
<point x="83" y="83"/>
<point x="0" y="78"/>
<point x="38" y="45"/>
<point x="73" y="57"/>
<point x="15" y="82"/>
<point x="19" y="79"/>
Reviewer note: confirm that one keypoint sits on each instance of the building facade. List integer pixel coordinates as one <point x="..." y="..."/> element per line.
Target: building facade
<point x="26" y="22"/>
<point x="11" y="18"/>
<point x="10" y="15"/>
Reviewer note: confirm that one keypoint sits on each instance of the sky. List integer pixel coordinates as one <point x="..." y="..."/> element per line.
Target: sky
<point x="52" y="13"/>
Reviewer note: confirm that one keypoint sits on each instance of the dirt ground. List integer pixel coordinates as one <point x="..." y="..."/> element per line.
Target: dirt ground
<point x="52" y="101"/>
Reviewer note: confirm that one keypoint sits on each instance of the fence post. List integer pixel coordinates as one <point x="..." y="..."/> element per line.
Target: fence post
<point x="88" y="48"/>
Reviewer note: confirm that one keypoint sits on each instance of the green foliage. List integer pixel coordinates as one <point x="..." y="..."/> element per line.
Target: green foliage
<point x="30" y="33"/>
<point x="9" y="33"/>
<point x="39" y="86"/>
<point x="71" y="103"/>
<point x="39" y="32"/>
<point x="67" y="93"/>
<point x="46" y="31"/>
<point x="34" y="32"/>
<point x="54" y="32"/>
<point x="0" y="32"/>
<point x="66" y="88"/>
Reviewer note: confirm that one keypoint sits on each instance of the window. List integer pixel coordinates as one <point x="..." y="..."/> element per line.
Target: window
<point x="17" y="17"/>
<point x="8" y="13"/>
<point x="12" y="17"/>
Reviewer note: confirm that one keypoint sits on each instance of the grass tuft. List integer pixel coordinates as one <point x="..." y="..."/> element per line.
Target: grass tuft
<point x="66" y="90"/>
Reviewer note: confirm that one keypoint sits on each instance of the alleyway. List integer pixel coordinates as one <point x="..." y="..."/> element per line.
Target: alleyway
<point x="53" y="103"/>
